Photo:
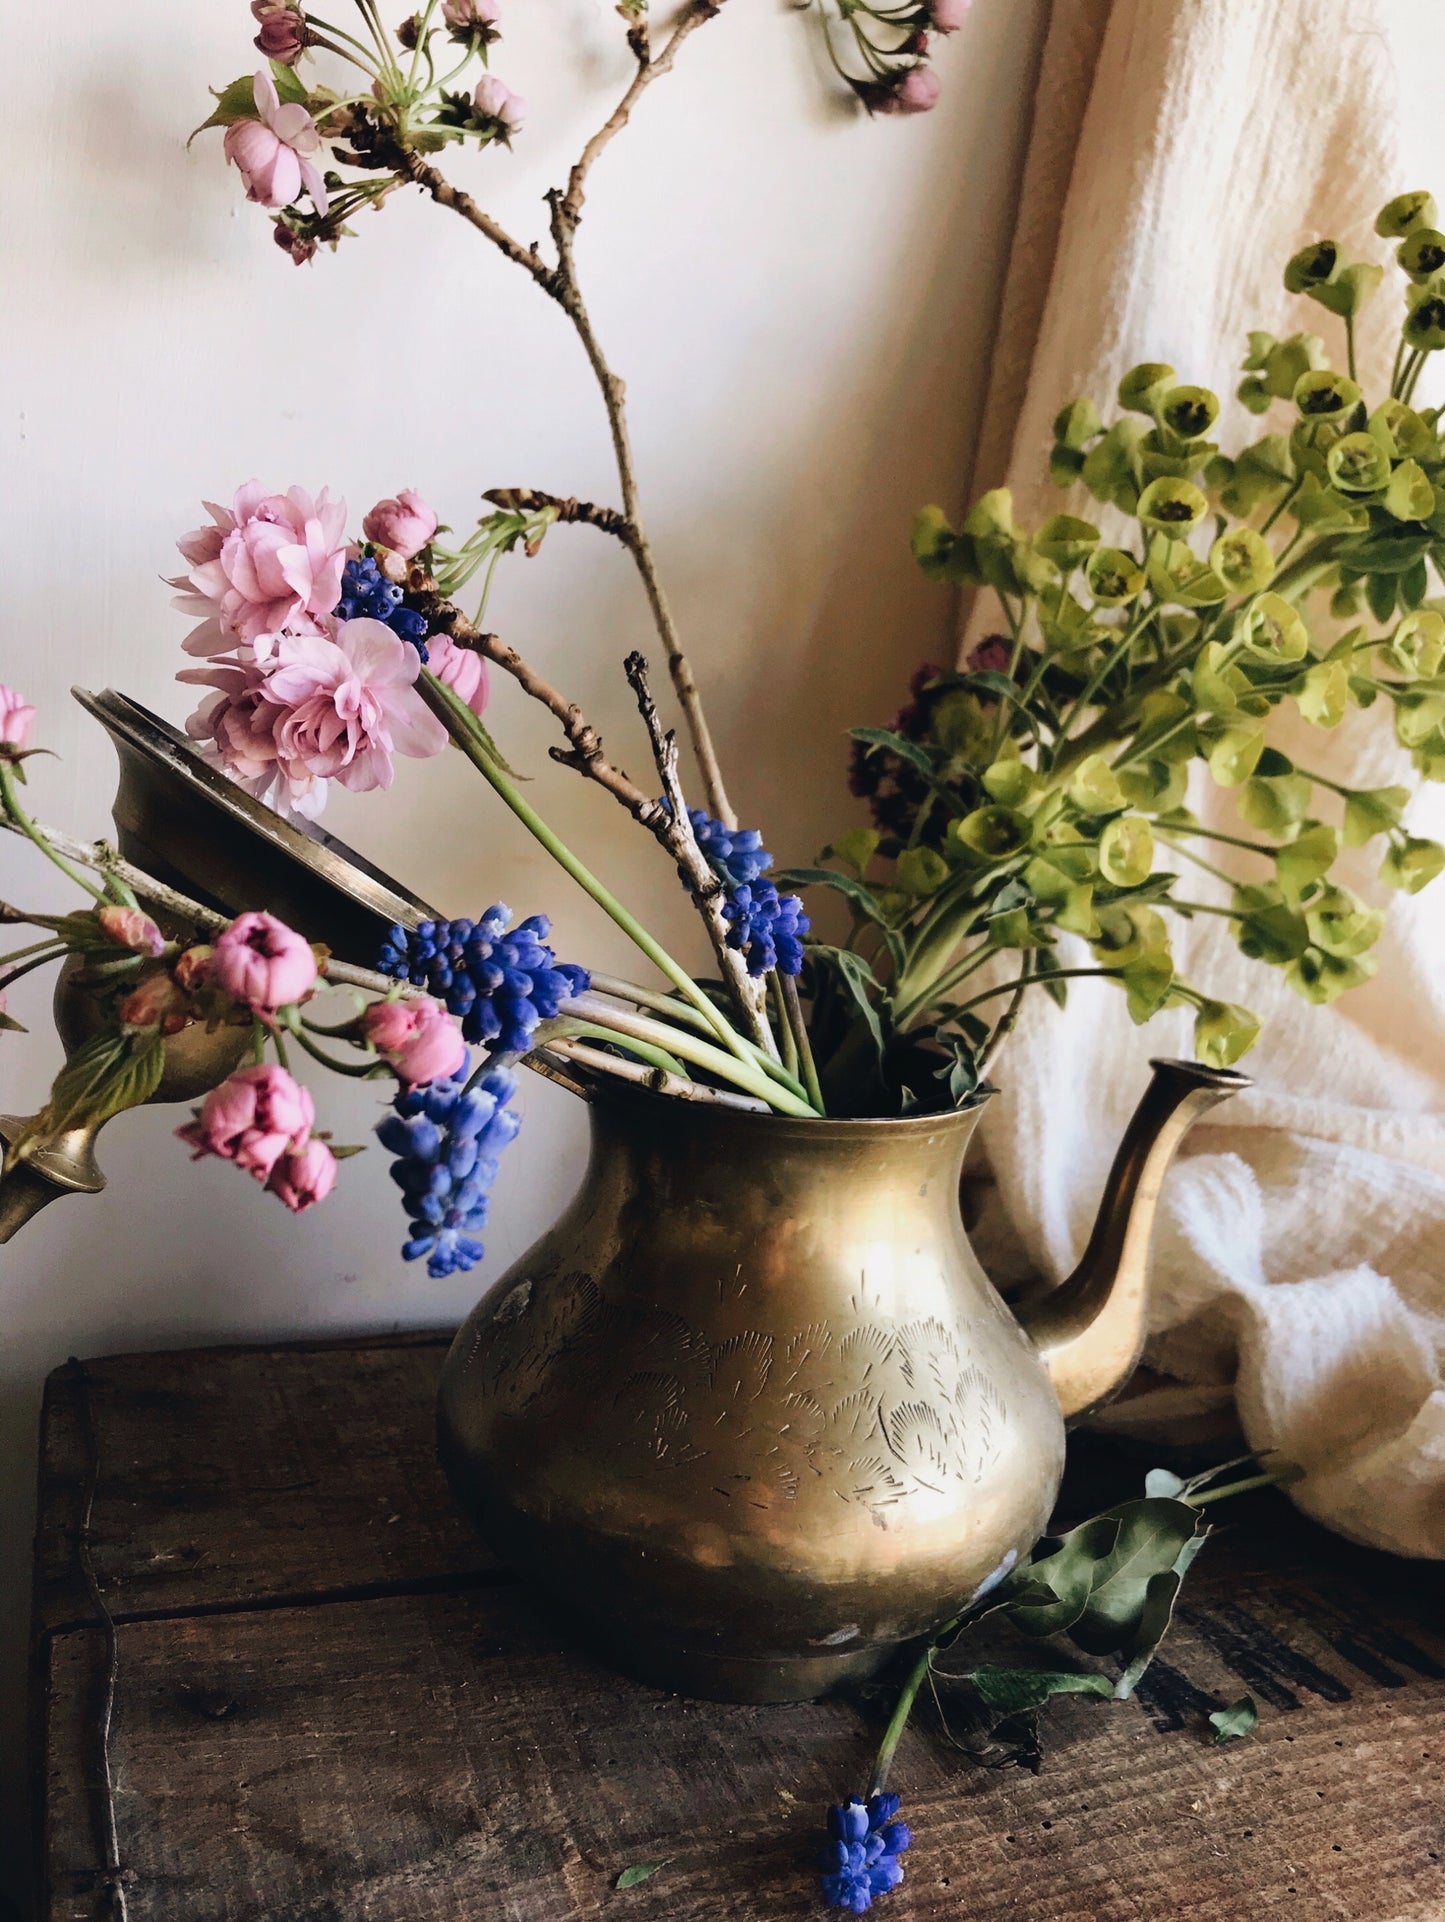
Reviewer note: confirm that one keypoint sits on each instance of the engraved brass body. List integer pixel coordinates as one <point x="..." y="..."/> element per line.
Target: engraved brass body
<point x="751" y="1413"/>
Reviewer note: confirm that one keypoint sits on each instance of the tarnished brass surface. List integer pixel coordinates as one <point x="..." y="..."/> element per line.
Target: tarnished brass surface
<point x="752" y="1414"/>
<point x="196" y="1060"/>
<point x="185" y="823"/>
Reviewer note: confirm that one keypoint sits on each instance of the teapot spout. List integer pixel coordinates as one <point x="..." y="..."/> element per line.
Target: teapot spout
<point x="1090" y="1330"/>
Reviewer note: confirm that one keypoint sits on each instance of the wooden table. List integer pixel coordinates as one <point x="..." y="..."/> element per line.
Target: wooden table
<point x="332" y="1706"/>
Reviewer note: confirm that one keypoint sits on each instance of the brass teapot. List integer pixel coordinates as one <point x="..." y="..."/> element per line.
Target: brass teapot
<point x="752" y="1415"/>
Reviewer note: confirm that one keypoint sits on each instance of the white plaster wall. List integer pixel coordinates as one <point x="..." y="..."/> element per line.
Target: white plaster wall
<point x="801" y="302"/>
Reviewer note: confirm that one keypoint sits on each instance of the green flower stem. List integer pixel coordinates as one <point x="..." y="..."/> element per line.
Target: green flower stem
<point x="1106" y="667"/>
<point x="462" y="725"/>
<point x="366" y="59"/>
<point x="1395" y="369"/>
<point x="1208" y="866"/>
<point x="678" y="1041"/>
<point x="1206" y="907"/>
<point x="1023" y="980"/>
<point x="29" y="967"/>
<point x="19" y="954"/>
<point x="1282" y="503"/>
<point x="1281" y="1477"/>
<point x="683" y="1011"/>
<point x="568" y="1027"/>
<point x="898" y="1721"/>
<point x="797" y="1028"/>
<point x="787" y="1043"/>
<point x="906" y="1011"/>
<point x="357" y="1070"/>
<point x="258" y="1042"/>
<point x="1213" y="834"/>
<point x="27" y="827"/>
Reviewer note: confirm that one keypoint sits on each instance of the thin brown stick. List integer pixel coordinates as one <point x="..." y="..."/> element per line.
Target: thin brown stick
<point x="531" y="500"/>
<point x="103" y="858"/>
<point x="560" y="283"/>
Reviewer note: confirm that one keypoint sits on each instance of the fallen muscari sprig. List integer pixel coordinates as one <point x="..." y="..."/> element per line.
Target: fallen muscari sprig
<point x="499" y="981"/>
<point x="366" y="594"/>
<point x="861" y="1856"/>
<point x="447" y="1137"/>
<point x="766" y="927"/>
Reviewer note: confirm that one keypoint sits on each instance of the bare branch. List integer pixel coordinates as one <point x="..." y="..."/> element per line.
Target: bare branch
<point x="446" y="195"/>
<point x="104" y="859"/>
<point x="659" y="1080"/>
<point x="531" y="500"/>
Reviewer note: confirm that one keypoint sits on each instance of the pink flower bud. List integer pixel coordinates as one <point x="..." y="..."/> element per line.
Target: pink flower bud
<point x="192" y="968"/>
<point x="947" y="16"/>
<point x="17" y="717"/>
<point x="494" y="100"/>
<point x="154" y="1002"/>
<point x="991" y="656"/>
<point x="417" y="1037"/>
<point x="262" y="963"/>
<point x="129" y="928"/>
<point x="916" y="92"/>
<point x="462" y="669"/>
<point x="283" y="33"/>
<point x="303" y="1176"/>
<point x="463" y="15"/>
<point x="253" y="1118"/>
<point x="405" y="525"/>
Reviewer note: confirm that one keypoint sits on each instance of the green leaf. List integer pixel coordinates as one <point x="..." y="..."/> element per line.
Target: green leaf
<point x="1147" y="982"/>
<point x="1412" y="864"/>
<point x="1341" y="924"/>
<point x="899" y="744"/>
<point x="1153" y="1533"/>
<point x="1309" y="857"/>
<point x="1234" y="756"/>
<point x="1223" y="1031"/>
<point x="639" y="1872"/>
<point x="238" y="101"/>
<point x="857" y="978"/>
<point x="9" y="1025"/>
<point x="1372" y="811"/>
<point x="1418" y="644"/>
<point x="109" y="1073"/>
<point x="856" y="846"/>
<point x="1010" y="1690"/>
<point x="1048" y="1595"/>
<point x="1321" y="978"/>
<point x="1276" y="805"/>
<point x="921" y="871"/>
<point x="1236" y="1720"/>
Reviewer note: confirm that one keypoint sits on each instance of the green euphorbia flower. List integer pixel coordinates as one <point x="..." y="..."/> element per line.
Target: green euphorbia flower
<point x="1321" y="978"/>
<point x="1418" y="644"/>
<point x="1404" y="214"/>
<point x="1223" y="1031"/>
<point x="1144" y="386"/>
<point x="1412" y="864"/>
<point x="1313" y="266"/>
<point x="1358" y="464"/>
<point x="1243" y="560"/>
<point x="1422" y="253"/>
<point x="1189" y="412"/>
<point x="1425" y="322"/>
<point x="1341" y="924"/>
<point x="1325" y="395"/>
<point x="1172" y="506"/>
<point x="1113" y="576"/>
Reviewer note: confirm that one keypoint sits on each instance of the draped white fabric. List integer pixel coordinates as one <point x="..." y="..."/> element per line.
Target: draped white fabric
<point x="1182" y="150"/>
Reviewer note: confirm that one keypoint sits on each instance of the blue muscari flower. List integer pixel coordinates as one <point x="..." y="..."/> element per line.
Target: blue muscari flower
<point x="499" y="981"/>
<point x="767" y="927"/>
<point x="367" y="594"/>
<point x="860" y="1860"/>
<point x="447" y="1138"/>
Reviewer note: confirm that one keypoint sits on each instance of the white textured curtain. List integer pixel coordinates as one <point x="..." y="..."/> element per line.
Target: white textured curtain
<point x="1181" y="151"/>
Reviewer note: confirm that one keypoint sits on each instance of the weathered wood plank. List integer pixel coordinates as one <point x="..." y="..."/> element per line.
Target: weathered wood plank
<point x="235" y="1475"/>
<point x="439" y="1757"/>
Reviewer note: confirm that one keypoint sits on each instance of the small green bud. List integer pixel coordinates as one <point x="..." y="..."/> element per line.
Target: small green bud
<point x="1412" y="864"/>
<point x="1323" y="394"/>
<point x="1422" y="253"/>
<point x="1235" y="754"/>
<point x="1077" y="424"/>
<point x="1066" y="464"/>
<point x="1113" y="576"/>
<point x="1404" y="214"/>
<point x="992" y="516"/>
<point x="1275" y="804"/>
<point x="1323" y="694"/>
<point x="1143" y="386"/>
<point x="1357" y="464"/>
<point x="1312" y="266"/>
<point x="1272" y="630"/>
<point x="1127" y="931"/>
<point x="1223" y="1031"/>
<point x="1322" y="978"/>
<point x="1341" y="924"/>
<point x="1147" y="982"/>
<point x="921" y="871"/>
<point x="856" y="846"/>
<point x="1309" y="857"/>
<point x="1372" y="811"/>
<point x="1243" y="560"/>
<point x="1418" y="644"/>
<point x="1255" y="393"/>
<point x="1066" y="540"/>
<point x="1267" y="928"/>
<point x="1126" y="851"/>
<point x="1409" y="496"/>
<point x="933" y="541"/>
<point x="1417" y="716"/>
<point x="1172" y="506"/>
<point x="1094" y="788"/>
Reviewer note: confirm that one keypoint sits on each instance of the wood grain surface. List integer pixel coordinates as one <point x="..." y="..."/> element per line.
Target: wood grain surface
<point x="332" y="1705"/>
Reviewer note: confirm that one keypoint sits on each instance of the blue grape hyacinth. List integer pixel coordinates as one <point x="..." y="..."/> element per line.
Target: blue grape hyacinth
<point x="766" y="927"/>
<point x="447" y="1138"/>
<point x="499" y="981"/>
<point x="367" y="594"/>
<point x="860" y="1860"/>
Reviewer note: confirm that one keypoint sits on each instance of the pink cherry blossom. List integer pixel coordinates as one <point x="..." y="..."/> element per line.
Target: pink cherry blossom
<point x="348" y="703"/>
<point x="262" y="963"/>
<point x="17" y="717"/>
<point x="495" y="100"/>
<point x="417" y="1037"/>
<point x="303" y="1176"/>
<point x="269" y="563"/>
<point x="274" y="151"/>
<point x="236" y="726"/>
<point x="462" y="669"/>
<point x="253" y="1118"/>
<point x="404" y="525"/>
<point x="130" y="928"/>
